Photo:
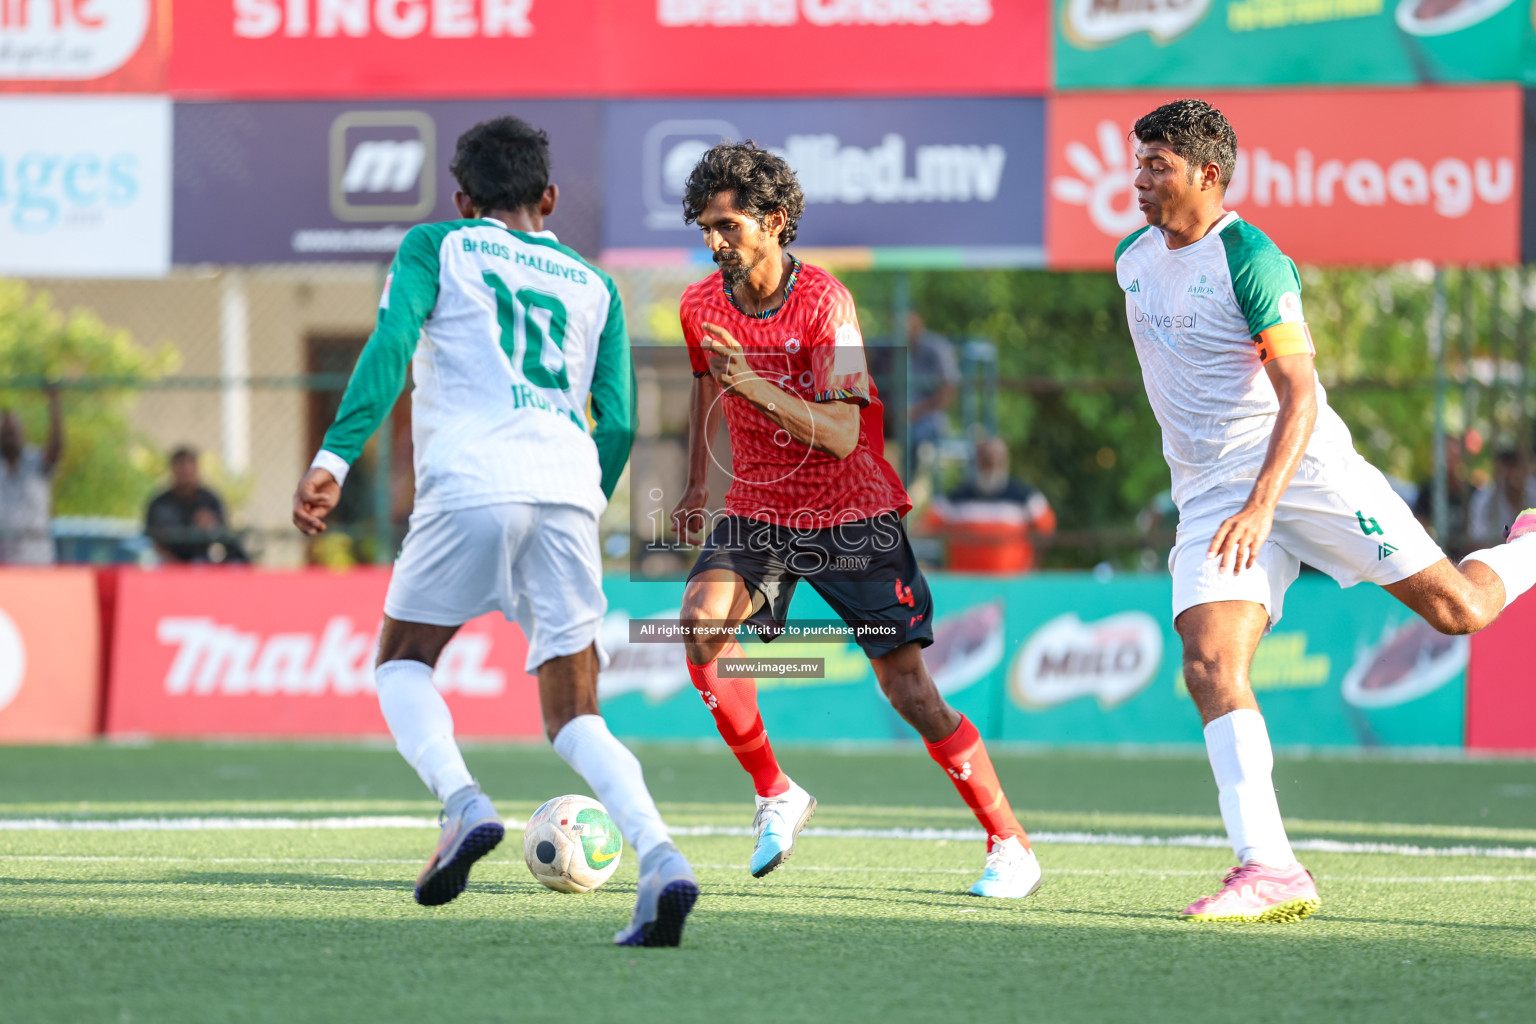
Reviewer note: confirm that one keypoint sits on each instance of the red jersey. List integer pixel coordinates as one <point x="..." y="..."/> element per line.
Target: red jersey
<point x="810" y="347"/>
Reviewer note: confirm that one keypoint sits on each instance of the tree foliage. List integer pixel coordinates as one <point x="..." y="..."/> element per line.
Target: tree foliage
<point x="1072" y="406"/>
<point x="108" y="469"/>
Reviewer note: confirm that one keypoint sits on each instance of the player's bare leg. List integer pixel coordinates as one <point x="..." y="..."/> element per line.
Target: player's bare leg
<point x="668" y="889"/>
<point x="422" y="726"/>
<point x="715" y="602"/>
<point x="1455" y="599"/>
<point x="1220" y="639"/>
<point x="956" y="745"/>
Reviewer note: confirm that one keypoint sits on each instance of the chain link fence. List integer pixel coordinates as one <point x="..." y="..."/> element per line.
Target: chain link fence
<point x="1431" y="371"/>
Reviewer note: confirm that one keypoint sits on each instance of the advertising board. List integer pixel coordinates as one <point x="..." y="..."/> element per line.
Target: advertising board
<point x="299" y="182"/>
<point x="1115" y="44"/>
<point x="961" y="174"/>
<point x="49" y="655"/>
<point x="561" y="48"/>
<point x="1501" y="702"/>
<point x="85" y="186"/>
<point x="1061" y="658"/>
<point x="249" y="653"/>
<point x="82" y="45"/>
<point x="1340" y="178"/>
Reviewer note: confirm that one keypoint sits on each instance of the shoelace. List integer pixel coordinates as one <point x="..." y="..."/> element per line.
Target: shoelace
<point x="1002" y="855"/>
<point x="1241" y="871"/>
<point x="771" y="805"/>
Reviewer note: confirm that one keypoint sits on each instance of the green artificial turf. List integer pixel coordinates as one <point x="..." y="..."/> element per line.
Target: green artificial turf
<point x="312" y="924"/>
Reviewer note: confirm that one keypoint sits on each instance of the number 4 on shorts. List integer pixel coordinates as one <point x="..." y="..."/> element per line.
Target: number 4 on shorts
<point x="1367" y="526"/>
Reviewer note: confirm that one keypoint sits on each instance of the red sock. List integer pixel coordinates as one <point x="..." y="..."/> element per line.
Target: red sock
<point x="733" y="702"/>
<point x="964" y="758"/>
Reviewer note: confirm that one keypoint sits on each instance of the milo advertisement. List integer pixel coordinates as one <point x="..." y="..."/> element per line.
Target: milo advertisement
<point x="1059" y="658"/>
<point x="1104" y="44"/>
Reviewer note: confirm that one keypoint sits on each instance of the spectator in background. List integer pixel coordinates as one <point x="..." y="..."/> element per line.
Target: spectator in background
<point x="26" y="488"/>
<point x="991" y="521"/>
<point x="933" y="380"/>
<point x="1455" y="540"/>
<point x="187" y="522"/>
<point x="1494" y="505"/>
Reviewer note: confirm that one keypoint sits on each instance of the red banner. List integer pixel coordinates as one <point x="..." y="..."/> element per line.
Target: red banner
<point x="1359" y="177"/>
<point x="1501" y="702"/>
<point x="82" y="45"/>
<point x="221" y="652"/>
<point x="532" y="48"/>
<point x="50" y="661"/>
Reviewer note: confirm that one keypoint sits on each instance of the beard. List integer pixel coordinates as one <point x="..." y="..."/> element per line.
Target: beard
<point x="734" y="268"/>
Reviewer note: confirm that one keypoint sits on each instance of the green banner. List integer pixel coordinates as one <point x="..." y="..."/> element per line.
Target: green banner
<point x="1109" y="44"/>
<point x="1062" y="658"/>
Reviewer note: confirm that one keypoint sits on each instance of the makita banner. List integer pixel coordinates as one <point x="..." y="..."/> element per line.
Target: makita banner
<point x="1334" y="177"/>
<point x="81" y="45"/>
<point x="475" y="48"/>
<point x="50" y="655"/>
<point x="921" y="172"/>
<point x="299" y="182"/>
<point x="248" y="653"/>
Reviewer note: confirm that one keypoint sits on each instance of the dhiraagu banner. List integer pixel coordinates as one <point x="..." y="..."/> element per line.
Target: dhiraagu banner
<point x="1062" y="658"/>
<point x="1104" y="44"/>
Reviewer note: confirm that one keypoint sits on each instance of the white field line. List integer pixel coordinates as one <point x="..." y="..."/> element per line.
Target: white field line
<point x="1085" y="872"/>
<point x="930" y="834"/>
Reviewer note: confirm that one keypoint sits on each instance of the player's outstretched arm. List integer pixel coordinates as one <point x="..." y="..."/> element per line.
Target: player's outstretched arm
<point x="830" y="427"/>
<point x="1238" y="540"/>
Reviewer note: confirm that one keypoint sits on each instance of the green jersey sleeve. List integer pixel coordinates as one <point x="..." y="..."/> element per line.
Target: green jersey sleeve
<point x="1264" y="279"/>
<point x="613" y="394"/>
<point x="379" y="376"/>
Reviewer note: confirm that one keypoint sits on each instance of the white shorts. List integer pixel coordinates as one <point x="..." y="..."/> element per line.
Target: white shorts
<point x="1342" y="518"/>
<point x="539" y="565"/>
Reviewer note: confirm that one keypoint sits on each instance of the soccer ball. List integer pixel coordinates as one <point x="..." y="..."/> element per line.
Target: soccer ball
<point x="571" y="845"/>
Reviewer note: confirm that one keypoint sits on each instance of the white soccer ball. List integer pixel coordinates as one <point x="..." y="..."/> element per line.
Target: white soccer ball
<point x="571" y="845"/>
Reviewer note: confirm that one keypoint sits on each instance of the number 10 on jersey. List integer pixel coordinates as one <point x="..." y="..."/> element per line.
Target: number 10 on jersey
<point x="515" y="313"/>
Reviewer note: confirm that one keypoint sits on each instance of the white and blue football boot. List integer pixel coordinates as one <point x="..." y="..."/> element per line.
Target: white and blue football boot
<point x="668" y="891"/>
<point x="1012" y="872"/>
<point x="778" y="823"/>
<point x="471" y="829"/>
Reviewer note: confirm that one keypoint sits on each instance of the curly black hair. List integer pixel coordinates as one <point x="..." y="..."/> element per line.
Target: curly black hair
<point x="502" y="164"/>
<point x="759" y="182"/>
<point x="1196" y="131"/>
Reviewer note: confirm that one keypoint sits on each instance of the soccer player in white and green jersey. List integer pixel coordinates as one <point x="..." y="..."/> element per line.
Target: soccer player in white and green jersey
<point x="1265" y="477"/>
<point x="515" y="345"/>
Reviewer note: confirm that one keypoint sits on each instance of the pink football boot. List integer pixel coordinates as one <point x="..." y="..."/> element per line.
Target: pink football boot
<point x="1525" y="523"/>
<point x="1258" y="892"/>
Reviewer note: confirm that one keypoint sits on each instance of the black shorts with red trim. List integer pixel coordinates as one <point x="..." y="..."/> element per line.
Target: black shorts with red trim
<point x="864" y="569"/>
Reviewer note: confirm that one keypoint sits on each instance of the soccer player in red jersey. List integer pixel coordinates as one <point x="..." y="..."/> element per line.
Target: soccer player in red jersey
<point x="776" y="351"/>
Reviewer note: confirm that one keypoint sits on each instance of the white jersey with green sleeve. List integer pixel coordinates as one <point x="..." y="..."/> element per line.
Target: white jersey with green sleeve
<point x="515" y="345"/>
<point x="1205" y="319"/>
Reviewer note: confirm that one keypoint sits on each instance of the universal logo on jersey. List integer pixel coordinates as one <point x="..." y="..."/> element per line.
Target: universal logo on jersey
<point x="383" y="166"/>
<point x="1090" y="24"/>
<point x="1166" y="321"/>
<point x="830" y="171"/>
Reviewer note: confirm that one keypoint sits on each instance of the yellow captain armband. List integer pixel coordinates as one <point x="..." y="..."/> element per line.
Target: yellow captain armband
<point x="1284" y="340"/>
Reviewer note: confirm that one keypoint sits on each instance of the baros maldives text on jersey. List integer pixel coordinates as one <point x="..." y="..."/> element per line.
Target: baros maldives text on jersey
<point x="508" y="334"/>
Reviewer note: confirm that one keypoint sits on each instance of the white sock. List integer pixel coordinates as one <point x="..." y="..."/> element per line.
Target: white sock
<point x="1515" y="564"/>
<point x="1238" y="746"/>
<point x="615" y="776"/>
<point x="422" y="726"/>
